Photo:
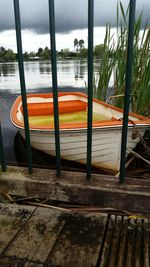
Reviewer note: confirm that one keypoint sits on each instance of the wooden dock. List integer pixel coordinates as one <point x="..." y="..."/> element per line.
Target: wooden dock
<point x="31" y="236"/>
<point x="80" y="237"/>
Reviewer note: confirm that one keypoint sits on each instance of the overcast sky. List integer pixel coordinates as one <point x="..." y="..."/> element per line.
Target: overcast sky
<point x="71" y="21"/>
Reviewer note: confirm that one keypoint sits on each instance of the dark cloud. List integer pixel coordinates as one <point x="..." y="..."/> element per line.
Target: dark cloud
<point x="70" y="14"/>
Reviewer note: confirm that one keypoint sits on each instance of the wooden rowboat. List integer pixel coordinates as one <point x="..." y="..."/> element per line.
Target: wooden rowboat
<point x="107" y="128"/>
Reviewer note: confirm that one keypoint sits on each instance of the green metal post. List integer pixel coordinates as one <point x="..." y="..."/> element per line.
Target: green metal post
<point x="127" y="89"/>
<point x="2" y="157"/>
<point x="90" y="85"/>
<point x="22" y="82"/>
<point x="54" y="81"/>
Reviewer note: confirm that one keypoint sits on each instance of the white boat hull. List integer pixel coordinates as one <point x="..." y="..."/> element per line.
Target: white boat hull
<point x="73" y="109"/>
<point x="106" y="145"/>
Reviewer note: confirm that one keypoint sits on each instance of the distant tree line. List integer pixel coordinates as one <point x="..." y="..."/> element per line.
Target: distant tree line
<point x="8" y="55"/>
<point x="42" y="53"/>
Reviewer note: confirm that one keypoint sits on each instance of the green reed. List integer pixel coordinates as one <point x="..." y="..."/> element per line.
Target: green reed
<point x="140" y="94"/>
<point x="102" y="78"/>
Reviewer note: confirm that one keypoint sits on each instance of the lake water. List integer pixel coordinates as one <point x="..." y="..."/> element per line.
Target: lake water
<point x="71" y="73"/>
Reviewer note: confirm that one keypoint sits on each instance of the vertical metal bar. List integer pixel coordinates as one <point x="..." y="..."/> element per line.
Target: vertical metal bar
<point x="54" y="81"/>
<point x="2" y="157"/>
<point x="22" y="82"/>
<point x="90" y="85"/>
<point x="127" y="89"/>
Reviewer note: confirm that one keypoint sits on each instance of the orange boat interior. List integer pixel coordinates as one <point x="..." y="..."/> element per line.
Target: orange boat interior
<point x="72" y="112"/>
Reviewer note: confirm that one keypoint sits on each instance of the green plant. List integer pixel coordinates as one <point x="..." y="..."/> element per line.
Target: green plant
<point x="141" y="76"/>
<point x="140" y="94"/>
<point x="140" y="91"/>
<point x="101" y="81"/>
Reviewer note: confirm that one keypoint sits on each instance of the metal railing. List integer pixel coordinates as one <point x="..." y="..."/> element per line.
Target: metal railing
<point x="55" y="88"/>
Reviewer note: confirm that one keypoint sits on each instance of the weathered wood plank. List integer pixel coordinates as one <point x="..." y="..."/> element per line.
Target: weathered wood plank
<point x="80" y="241"/>
<point x="130" y="248"/>
<point x="122" y="243"/>
<point x="8" y="262"/>
<point x="115" y="242"/>
<point x="146" y="243"/>
<point x="12" y="220"/>
<point x="139" y="260"/>
<point x="103" y="191"/>
<point x="107" y="246"/>
<point x="38" y="236"/>
<point x="71" y="239"/>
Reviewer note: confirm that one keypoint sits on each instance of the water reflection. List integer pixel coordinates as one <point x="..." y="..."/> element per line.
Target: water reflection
<point x="38" y="74"/>
<point x="7" y="69"/>
<point x="44" y="67"/>
<point x="75" y="68"/>
<point x="80" y="69"/>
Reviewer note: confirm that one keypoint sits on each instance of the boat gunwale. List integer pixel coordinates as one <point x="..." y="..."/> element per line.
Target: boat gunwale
<point x="143" y="121"/>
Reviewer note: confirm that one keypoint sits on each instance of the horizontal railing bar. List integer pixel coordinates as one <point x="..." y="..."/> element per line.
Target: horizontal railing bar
<point x="22" y="82"/>
<point x="54" y="82"/>
<point x="127" y="89"/>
